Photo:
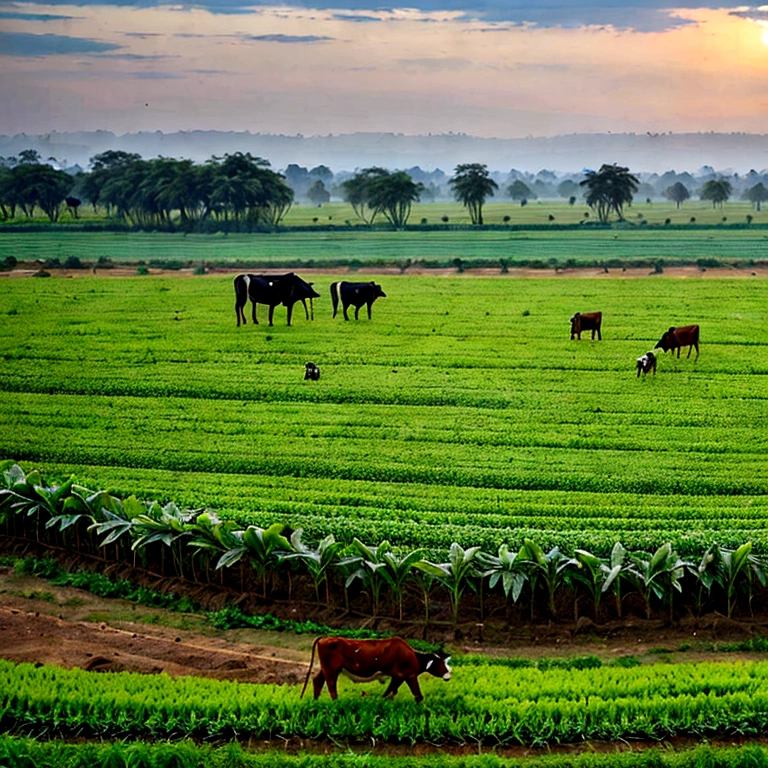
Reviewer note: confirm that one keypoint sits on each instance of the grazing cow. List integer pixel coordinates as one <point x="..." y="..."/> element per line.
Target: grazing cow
<point x="355" y="294"/>
<point x="586" y="321"/>
<point x="685" y="336"/>
<point x="272" y="290"/>
<point x="311" y="372"/>
<point x="365" y="660"/>
<point x="646" y="363"/>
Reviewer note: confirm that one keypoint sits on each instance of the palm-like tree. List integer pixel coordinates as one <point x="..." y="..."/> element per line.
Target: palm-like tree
<point x="471" y="185"/>
<point x="716" y="190"/>
<point x="393" y="194"/>
<point x="357" y="192"/>
<point x="609" y="189"/>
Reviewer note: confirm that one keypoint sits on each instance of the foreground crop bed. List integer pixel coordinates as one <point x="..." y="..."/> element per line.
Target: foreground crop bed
<point x="489" y="705"/>
<point x="461" y="412"/>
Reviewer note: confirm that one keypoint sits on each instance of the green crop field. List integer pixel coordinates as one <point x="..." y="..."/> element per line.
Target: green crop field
<point x="461" y="412"/>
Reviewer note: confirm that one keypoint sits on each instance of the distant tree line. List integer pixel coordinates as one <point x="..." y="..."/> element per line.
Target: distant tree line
<point x="242" y="192"/>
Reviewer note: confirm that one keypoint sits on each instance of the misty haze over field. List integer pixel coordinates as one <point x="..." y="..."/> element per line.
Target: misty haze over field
<point x="649" y="153"/>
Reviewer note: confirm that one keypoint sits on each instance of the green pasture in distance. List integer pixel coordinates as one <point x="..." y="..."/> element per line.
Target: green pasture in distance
<point x="462" y="411"/>
<point x="438" y="248"/>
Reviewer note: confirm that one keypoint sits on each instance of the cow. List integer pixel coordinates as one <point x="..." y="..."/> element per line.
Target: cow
<point x="684" y="336"/>
<point x="355" y="294"/>
<point x="311" y="372"/>
<point x="272" y="290"/>
<point x="365" y="660"/>
<point x="646" y="363"/>
<point x="586" y="321"/>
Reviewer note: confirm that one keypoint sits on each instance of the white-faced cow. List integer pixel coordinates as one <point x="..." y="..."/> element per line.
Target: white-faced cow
<point x="365" y="660"/>
<point x="646" y="363"/>
<point x="355" y="294"/>
<point x="684" y="336"/>
<point x="272" y="290"/>
<point x="586" y="321"/>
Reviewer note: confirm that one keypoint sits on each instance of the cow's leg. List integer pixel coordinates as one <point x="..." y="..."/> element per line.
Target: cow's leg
<point x="331" y="681"/>
<point x="413" y="684"/>
<point x="357" y="313"/>
<point x="318" y="681"/>
<point x="369" y="309"/>
<point x="253" y="313"/>
<point x="239" y="313"/>
<point x="289" y="313"/>
<point x="394" y="685"/>
<point x="599" y="334"/>
<point x="271" y="312"/>
<point x="346" y="307"/>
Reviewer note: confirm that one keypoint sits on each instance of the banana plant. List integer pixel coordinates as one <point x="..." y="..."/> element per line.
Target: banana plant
<point x="317" y="561"/>
<point x="264" y="548"/>
<point x="549" y="567"/>
<point x="207" y="533"/>
<point x="736" y="567"/>
<point x="659" y="575"/>
<point x="396" y="571"/>
<point x="165" y="525"/>
<point x="706" y="576"/>
<point x="456" y="575"/>
<point x="598" y="574"/>
<point x="369" y="566"/>
<point x="504" y="567"/>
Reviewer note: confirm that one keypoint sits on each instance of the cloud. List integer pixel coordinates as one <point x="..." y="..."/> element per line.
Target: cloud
<point x="19" y="16"/>
<point x="640" y="15"/>
<point x="27" y="44"/>
<point x="277" y="38"/>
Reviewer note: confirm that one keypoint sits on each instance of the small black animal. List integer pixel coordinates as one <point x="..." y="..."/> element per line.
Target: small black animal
<point x="646" y="363"/>
<point x="311" y="372"/>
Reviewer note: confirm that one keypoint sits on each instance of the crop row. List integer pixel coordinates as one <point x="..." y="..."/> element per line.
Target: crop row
<point x="483" y="706"/>
<point x="198" y="546"/>
<point x="25" y="752"/>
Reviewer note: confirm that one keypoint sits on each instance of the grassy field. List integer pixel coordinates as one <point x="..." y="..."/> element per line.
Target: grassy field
<point x="461" y="412"/>
<point x="617" y="247"/>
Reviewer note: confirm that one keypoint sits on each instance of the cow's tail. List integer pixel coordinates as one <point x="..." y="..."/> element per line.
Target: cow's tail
<point x="309" y="671"/>
<point x="335" y="297"/>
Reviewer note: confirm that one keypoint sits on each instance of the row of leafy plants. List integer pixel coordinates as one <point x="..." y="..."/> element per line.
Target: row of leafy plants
<point x="276" y="562"/>
<point x="480" y="705"/>
<point x="20" y="752"/>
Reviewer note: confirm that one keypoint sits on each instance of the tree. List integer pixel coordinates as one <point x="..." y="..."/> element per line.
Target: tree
<point x="518" y="190"/>
<point x="393" y="194"/>
<point x="567" y="188"/>
<point x="357" y="192"/>
<point x="471" y="184"/>
<point x="716" y="190"/>
<point x="609" y="189"/>
<point x="757" y="195"/>
<point x="318" y="194"/>
<point x="678" y="193"/>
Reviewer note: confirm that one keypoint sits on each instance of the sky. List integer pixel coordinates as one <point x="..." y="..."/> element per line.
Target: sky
<point x="490" y="68"/>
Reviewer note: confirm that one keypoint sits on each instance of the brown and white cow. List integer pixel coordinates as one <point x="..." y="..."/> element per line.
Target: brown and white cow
<point x="684" y="336"/>
<point x="365" y="660"/>
<point x="586" y="321"/>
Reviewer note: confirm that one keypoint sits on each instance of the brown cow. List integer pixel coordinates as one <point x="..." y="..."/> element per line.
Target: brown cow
<point x="586" y="321"/>
<point x="365" y="660"/>
<point x="685" y="336"/>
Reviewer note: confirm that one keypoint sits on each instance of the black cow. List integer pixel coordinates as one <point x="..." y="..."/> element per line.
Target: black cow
<point x="311" y="372"/>
<point x="684" y="336"/>
<point x="355" y="294"/>
<point x="646" y="363"/>
<point x="586" y="321"/>
<point x="272" y="290"/>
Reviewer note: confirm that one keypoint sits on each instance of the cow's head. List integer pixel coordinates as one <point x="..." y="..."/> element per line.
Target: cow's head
<point x="303" y="290"/>
<point x="437" y="665"/>
<point x="575" y="324"/>
<point x="667" y="341"/>
<point x="377" y="291"/>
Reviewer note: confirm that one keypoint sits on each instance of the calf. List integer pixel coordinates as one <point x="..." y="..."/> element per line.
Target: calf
<point x="355" y="294"/>
<point x="646" y="363"/>
<point x="311" y="372"/>
<point x="586" y="321"/>
<point x="684" y="336"/>
<point x="365" y="660"/>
